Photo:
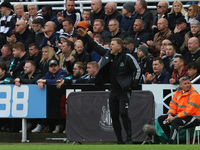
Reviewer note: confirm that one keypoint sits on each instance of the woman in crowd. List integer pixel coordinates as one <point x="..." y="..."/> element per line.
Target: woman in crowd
<point x="177" y="11"/>
<point x="48" y="53"/>
<point x="193" y="11"/>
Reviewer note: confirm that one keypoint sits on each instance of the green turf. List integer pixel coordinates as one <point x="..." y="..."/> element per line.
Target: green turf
<point x="98" y="147"/>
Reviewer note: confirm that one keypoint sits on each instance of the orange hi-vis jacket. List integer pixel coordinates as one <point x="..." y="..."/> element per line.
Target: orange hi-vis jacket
<point x="185" y="104"/>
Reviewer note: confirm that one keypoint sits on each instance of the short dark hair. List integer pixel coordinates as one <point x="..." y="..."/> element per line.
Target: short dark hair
<point x="143" y="3"/>
<point x="3" y="66"/>
<point x="100" y="38"/>
<point x="35" y="45"/>
<point x="38" y="21"/>
<point x="159" y="59"/>
<point x="69" y="20"/>
<point x="47" y="7"/>
<point x="193" y="65"/>
<point x="181" y="57"/>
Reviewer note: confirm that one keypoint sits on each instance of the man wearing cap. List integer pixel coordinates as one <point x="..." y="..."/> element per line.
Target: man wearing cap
<point x="160" y="75"/>
<point x="144" y="60"/>
<point x="178" y="35"/>
<point x="6" y="15"/>
<point x="54" y="74"/>
<point x="119" y="68"/>
<point x="128" y="13"/>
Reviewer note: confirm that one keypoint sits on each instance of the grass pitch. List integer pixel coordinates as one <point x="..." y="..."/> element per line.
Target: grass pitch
<point x="96" y="147"/>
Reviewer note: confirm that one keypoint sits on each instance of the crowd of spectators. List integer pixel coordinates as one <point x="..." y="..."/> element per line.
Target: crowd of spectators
<point x="45" y="48"/>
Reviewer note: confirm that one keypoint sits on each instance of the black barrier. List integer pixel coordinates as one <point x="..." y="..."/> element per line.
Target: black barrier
<point x="88" y="116"/>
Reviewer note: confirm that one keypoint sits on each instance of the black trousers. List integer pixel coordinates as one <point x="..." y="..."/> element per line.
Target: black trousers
<point x="186" y="122"/>
<point x="119" y="103"/>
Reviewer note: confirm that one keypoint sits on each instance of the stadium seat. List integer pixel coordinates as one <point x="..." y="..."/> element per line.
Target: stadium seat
<point x="197" y="129"/>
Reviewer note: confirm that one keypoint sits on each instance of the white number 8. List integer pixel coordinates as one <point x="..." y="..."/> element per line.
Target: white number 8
<point x="17" y="101"/>
<point x="5" y="102"/>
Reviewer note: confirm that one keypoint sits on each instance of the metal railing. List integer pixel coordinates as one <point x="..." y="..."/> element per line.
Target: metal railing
<point x="60" y="5"/>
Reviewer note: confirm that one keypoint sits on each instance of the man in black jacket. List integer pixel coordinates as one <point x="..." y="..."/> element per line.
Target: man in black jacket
<point x="119" y="68"/>
<point x="30" y="76"/>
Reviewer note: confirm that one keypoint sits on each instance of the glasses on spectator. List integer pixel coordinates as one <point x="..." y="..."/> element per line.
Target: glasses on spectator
<point x="189" y="9"/>
<point x="31" y="9"/>
<point x="111" y="25"/>
<point x="75" y="69"/>
<point x="160" y="6"/>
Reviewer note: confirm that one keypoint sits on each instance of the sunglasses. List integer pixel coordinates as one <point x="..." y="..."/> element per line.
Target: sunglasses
<point x="160" y="6"/>
<point x="189" y="9"/>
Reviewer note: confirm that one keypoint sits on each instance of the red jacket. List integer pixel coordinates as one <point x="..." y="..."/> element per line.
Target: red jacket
<point x="177" y="76"/>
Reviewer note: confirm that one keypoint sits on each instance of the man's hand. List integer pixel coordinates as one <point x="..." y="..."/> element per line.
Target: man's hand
<point x="170" y="118"/>
<point x="82" y="32"/>
<point x="17" y="82"/>
<point x="11" y="39"/>
<point x="172" y="81"/>
<point x="59" y="83"/>
<point x="40" y="85"/>
<point x="150" y="43"/>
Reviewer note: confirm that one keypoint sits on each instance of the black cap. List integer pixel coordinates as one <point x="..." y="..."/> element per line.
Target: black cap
<point x="53" y="62"/>
<point x="6" y="4"/>
<point x="180" y="20"/>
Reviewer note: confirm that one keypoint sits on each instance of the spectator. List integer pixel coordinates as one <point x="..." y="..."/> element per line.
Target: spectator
<point x="70" y="12"/>
<point x="162" y="10"/>
<point x="3" y="74"/>
<point x="177" y="11"/>
<point x="111" y="13"/>
<point x="49" y="15"/>
<point x="23" y="34"/>
<point x="7" y="56"/>
<point x="182" y="110"/>
<point x="19" y="13"/>
<point x="193" y="55"/>
<point x="193" y="11"/>
<point x="32" y="14"/>
<point x="30" y="76"/>
<point x="94" y="55"/>
<point x="48" y="54"/>
<point x="168" y="59"/>
<point x="35" y="54"/>
<point x="50" y="36"/>
<point x="142" y="13"/>
<point x="180" y="69"/>
<point x="115" y="31"/>
<point x="128" y="13"/>
<point x="178" y="35"/>
<point x="164" y="33"/>
<point x="65" y="63"/>
<point x="54" y="74"/>
<point x="6" y="15"/>
<point x="86" y="17"/>
<point x="78" y="72"/>
<point x="194" y="32"/>
<point x="81" y="54"/>
<point x="139" y="35"/>
<point x="98" y="28"/>
<point x="160" y="74"/>
<point x="193" y="69"/>
<point x="37" y="26"/>
<point x="144" y="60"/>
<point x="20" y="56"/>
<point x="69" y="31"/>
<point x="92" y="70"/>
<point x="98" y="11"/>
<point x="163" y="47"/>
<point x="129" y="43"/>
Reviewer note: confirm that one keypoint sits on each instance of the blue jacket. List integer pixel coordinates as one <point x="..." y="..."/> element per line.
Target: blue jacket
<point x="163" y="78"/>
<point x="52" y="80"/>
